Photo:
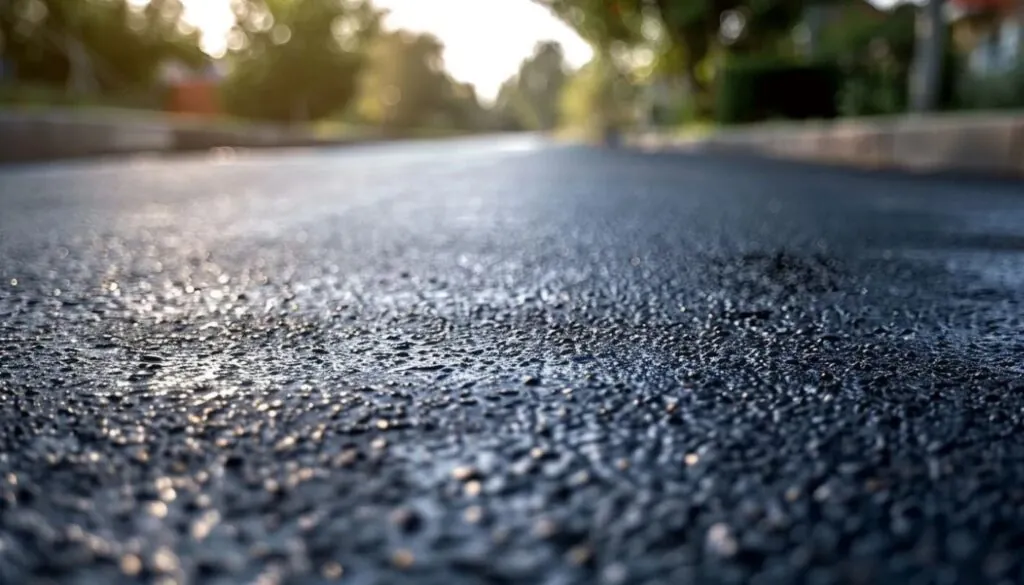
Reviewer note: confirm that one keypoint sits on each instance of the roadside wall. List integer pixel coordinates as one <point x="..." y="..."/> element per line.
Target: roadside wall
<point x="52" y="135"/>
<point x="976" y="143"/>
<point x="38" y="136"/>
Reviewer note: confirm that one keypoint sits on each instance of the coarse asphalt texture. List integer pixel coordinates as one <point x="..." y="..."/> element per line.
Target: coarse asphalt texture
<point x="503" y="360"/>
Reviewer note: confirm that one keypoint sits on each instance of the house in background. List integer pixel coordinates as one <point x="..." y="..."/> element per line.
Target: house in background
<point x="989" y="33"/>
<point x="191" y="92"/>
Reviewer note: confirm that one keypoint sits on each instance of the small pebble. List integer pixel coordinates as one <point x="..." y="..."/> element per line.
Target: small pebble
<point x="465" y="473"/>
<point x="473" y="514"/>
<point x="579" y="555"/>
<point x="403" y="558"/>
<point x="721" y="541"/>
<point x="332" y="570"/>
<point x="131" y="565"/>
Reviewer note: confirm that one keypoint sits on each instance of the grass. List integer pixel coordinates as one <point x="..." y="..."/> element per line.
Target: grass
<point x="695" y="130"/>
<point x="340" y="129"/>
<point x="577" y="133"/>
<point x="33" y="96"/>
<point x="146" y="107"/>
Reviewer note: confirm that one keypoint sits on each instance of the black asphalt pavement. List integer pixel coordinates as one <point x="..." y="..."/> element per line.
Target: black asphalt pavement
<point x="502" y="360"/>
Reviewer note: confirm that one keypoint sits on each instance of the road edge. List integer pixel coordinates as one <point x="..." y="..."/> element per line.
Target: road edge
<point x="978" y="144"/>
<point x="49" y="135"/>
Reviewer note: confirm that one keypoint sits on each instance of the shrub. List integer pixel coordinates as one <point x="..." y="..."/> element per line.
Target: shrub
<point x="752" y="90"/>
<point x="597" y="98"/>
<point x="868" y="90"/>
<point x="998" y="91"/>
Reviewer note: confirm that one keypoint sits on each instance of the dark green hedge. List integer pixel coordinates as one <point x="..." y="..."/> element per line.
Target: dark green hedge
<point x="753" y="90"/>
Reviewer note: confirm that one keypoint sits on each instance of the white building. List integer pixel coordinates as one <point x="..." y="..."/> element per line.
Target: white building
<point x="990" y="32"/>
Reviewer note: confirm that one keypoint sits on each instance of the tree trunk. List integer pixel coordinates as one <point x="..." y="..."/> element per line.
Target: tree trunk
<point x="929" y="53"/>
<point x="815" y="20"/>
<point x="81" y="80"/>
<point x="692" y="38"/>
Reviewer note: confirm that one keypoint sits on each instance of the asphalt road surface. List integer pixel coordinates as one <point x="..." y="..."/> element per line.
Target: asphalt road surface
<point x="501" y="360"/>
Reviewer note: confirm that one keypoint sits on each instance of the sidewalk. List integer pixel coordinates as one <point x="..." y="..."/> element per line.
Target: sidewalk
<point x="983" y="143"/>
<point x="53" y="134"/>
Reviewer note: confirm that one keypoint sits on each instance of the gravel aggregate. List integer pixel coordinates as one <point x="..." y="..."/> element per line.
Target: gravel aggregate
<point x="499" y="360"/>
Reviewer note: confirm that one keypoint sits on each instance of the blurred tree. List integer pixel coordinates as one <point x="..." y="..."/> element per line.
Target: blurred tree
<point x="531" y="97"/>
<point x="133" y="41"/>
<point x="874" y="49"/>
<point x="539" y="82"/>
<point x="505" y="110"/>
<point x="597" y="99"/>
<point x="685" y="33"/>
<point x="927" y="73"/>
<point x="462" y="109"/>
<point x="34" y="39"/>
<point x="112" y="44"/>
<point x="297" y="60"/>
<point x="405" y="85"/>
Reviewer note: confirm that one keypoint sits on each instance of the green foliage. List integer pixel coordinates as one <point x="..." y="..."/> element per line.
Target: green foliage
<point x="600" y="22"/>
<point x="994" y="92"/>
<point x="858" y="29"/>
<point x="869" y="91"/>
<point x="684" y="34"/>
<point x="758" y="89"/>
<point x="298" y="60"/>
<point x="121" y="45"/>
<point x="952" y="78"/>
<point x="135" y="51"/>
<point x="405" y="85"/>
<point x="530" y="98"/>
<point x="876" y="57"/>
<point x="33" y="95"/>
<point x="461" y="109"/>
<point x="302" y="60"/>
<point x="596" y="99"/>
<point x="507" y="108"/>
<point x="288" y="61"/>
<point x="875" y="51"/>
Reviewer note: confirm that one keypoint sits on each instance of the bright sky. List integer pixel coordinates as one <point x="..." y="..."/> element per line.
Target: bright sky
<point x="485" y="40"/>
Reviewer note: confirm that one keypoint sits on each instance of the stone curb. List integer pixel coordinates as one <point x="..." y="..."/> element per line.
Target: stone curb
<point x="54" y="135"/>
<point x="982" y="144"/>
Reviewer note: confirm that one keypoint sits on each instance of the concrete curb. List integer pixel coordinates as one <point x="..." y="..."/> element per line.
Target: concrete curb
<point x="990" y="144"/>
<point x="54" y="135"/>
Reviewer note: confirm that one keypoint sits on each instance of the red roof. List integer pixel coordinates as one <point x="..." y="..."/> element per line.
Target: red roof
<point x="984" y="5"/>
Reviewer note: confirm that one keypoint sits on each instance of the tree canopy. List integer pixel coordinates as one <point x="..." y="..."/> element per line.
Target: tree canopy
<point x="596" y="98"/>
<point x="297" y="60"/>
<point x="117" y="44"/>
<point x="681" y="33"/>
<point x="405" y="82"/>
<point x="530" y="99"/>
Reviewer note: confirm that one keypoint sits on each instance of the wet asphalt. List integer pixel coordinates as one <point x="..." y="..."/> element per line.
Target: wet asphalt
<point x="502" y="360"/>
